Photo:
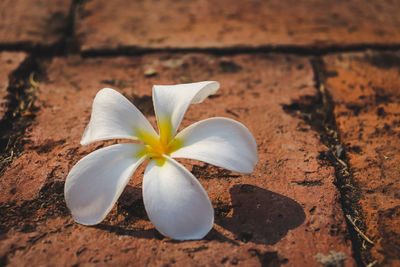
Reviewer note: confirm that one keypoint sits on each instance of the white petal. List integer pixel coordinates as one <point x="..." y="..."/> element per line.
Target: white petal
<point x="220" y="141"/>
<point x="114" y="117"/>
<point x="175" y="201"/>
<point x="172" y="101"/>
<point x="95" y="183"/>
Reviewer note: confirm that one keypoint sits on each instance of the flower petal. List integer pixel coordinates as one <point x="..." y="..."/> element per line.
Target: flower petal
<point x="172" y="101"/>
<point x="114" y="117"/>
<point x="220" y="141"/>
<point x="95" y="183"/>
<point x="175" y="201"/>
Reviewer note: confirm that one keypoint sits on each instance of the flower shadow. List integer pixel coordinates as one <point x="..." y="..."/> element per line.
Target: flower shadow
<point x="130" y="208"/>
<point x="261" y="216"/>
<point x="120" y="230"/>
<point x="131" y="205"/>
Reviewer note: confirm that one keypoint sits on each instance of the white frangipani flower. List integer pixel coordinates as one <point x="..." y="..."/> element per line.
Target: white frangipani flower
<point x="174" y="200"/>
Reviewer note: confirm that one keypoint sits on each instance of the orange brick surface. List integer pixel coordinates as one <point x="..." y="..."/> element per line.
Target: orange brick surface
<point x="110" y="25"/>
<point x="267" y="216"/>
<point x="365" y="90"/>
<point x="33" y="23"/>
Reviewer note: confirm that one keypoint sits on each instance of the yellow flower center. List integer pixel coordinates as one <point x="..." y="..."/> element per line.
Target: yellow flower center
<point x="156" y="146"/>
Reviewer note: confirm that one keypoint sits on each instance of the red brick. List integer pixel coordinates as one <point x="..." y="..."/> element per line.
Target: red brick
<point x="365" y="90"/>
<point x="34" y="22"/>
<point x="108" y="25"/>
<point x="267" y="217"/>
<point x="9" y="62"/>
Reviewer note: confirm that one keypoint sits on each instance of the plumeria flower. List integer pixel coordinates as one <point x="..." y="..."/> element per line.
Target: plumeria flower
<point x="174" y="200"/>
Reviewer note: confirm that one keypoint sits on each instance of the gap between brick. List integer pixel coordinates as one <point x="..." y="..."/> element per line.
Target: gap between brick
<point x="70" y="45"/>
<point x="318" y="112"/>
<point x="20" y="113"/>
<point x="226" y="51"/>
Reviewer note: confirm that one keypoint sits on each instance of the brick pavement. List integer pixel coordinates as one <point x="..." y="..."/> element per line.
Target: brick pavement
<point x="326" y="128"/>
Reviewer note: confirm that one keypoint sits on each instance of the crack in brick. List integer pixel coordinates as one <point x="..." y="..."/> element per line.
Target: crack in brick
<point x="69" y="43"/>
<point x="309" y="183"/>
